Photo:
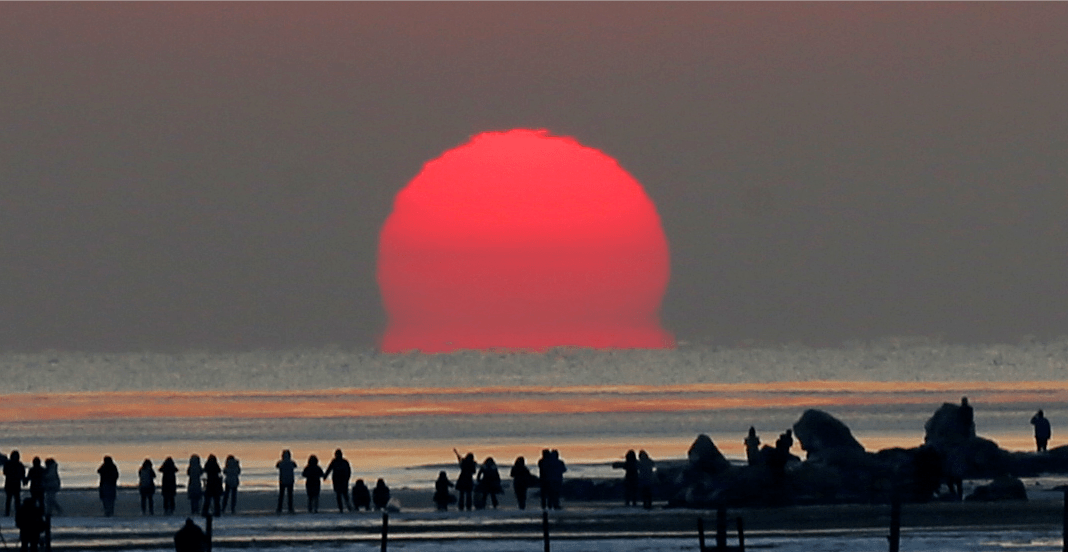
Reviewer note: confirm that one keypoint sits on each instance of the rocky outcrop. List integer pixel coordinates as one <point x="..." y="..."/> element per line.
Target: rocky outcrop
<point x="1004" y="487"/>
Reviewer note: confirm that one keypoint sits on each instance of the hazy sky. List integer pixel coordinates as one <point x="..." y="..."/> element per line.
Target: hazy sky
<point x="216" y="175"/>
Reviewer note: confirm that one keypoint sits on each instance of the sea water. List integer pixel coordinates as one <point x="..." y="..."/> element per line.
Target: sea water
<point x="400" y="417"/>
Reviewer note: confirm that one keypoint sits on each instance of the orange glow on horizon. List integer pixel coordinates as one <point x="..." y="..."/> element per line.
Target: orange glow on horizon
<point x="525" y="241"/>
<point x="360" y="403"/>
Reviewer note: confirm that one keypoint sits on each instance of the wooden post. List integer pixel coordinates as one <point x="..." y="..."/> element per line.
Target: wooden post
<point x="741" y="535"/>
<point x="545" y="528"/>
<point x="701" y="534"/>
<point x="721" y="529"/>
<point x="207" y="529"/>
<point x="895" y="523"/>
<point x="385" y="530"/>
<point x="1064" y="529"/>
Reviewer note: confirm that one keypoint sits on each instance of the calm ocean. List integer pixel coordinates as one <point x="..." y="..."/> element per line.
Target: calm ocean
<point x="400" y="416"/>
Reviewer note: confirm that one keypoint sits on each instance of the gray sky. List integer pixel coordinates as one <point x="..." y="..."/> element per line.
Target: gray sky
<point x="215" y="175"/>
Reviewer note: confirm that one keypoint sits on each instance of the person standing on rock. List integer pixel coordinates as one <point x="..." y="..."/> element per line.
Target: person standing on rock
<point x="646" y="479"/>
<point x="752" y="447"/>
<point x="1042" y="430"/>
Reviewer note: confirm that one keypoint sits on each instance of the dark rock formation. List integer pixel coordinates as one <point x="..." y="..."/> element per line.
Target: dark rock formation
<point x="1004" y="487"/>
<point x="705" y="457"/>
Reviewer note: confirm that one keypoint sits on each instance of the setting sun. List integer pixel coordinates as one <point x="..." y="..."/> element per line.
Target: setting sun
<point x="522" y="240"/>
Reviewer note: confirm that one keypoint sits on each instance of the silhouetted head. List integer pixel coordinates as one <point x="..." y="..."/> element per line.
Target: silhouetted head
<point x="108" y="460"/>
<point x="194" y="461"/>
<point x="14" y="455"/>
<point x="489" y="462"/>
<point x="630" y="455"/>
<point x="643" y="455"/>
<point x="470" y="456"/>
<point x="286" y="454"/>
<point x="1040" y="414"/>
<point x="520" y="461"/>
<point x="964" y="401"/>
<point x="544" y="453"/>
<point x="337" y="453"/>
<point x="189" y="522"/>
<point x="442" y="475"/>
<point x="381" y="483"/>
<point x="360" y="483"/>
<point x="212" y="459"/>
<point x="554" y="454"/>
<point x="752" y="431"/>
<point x="168" y="462"/>
<point x="146" y="464"/>
<point x="36" y="461"/>
<point x="313" y="460"/>
<point x="50" y="462"/>
<point x="230" y="460"/>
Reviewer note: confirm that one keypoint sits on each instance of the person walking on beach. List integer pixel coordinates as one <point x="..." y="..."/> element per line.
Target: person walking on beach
<point x="313" y="478"/>
<point x="521" y="481"/>
<point x="109" y="482"/>
<point x="966" y="416"/>
<point x="1042" y="430"/>
<point x="194" y="488"/>
<point x="286" y="468"/>
<point x="489" y="481"/>
<point x="168" y="487"/>
<point x="442" y="496"/>
<point x="29" y="518"/>
<point x="232" y="478"/>
<point x="380" y="495"/>
<point x="629" y="465"/>
<point x="213" y="486"/>
<point x="646" y="479"/>
<point x="51" y="487"/>
<point x="146" y="484"/>
<point x="342" y="471"/>
<point x="361" y="496"/>
<point x="465" y="482"/>
<point x="752" y="447"/>
<point x="14" y="479"/>
<point x="544" y="475"/>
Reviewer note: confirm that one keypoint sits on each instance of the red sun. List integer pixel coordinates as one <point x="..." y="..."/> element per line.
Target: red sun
<point x="524" y="241"/>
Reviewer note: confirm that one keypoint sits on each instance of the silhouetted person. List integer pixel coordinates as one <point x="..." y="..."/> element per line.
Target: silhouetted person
<point x="752" y="447"/>
<point x="629" y="465"/>
<point x="646" y="479"/>
<point x="442" y="496"/>
<point x="342" y="471"/>
<point x="967" y="417"/>
<point x="785" y="441"/>
<point x="194" y="488"/>
<point x="51" y="487"/>
<point x="14" y="478"/>
<point x="361" y="496"/>
<point x="521" y="481"/>
<point x="168" y="484"/>
<point x="556" y="481"/>
<point x="190" y="538"/>
<point x="313" y="480"/>
<point x="35" y="476"/>
<point x="465" y="482"/>
<point x="29" y="518"/>
<point x="489" y="481"/>
<point x="213" y="486"/>
<point x="109" y="482"/>
<point x="146" y="485"/>
<point x="231" y="480"/>
<point x="380" y="495"/>
<point x="928" y="473"/>
<point x="1042" y="430"/>
<point x="545" y="476"/>
<point x="286" y="477"/>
